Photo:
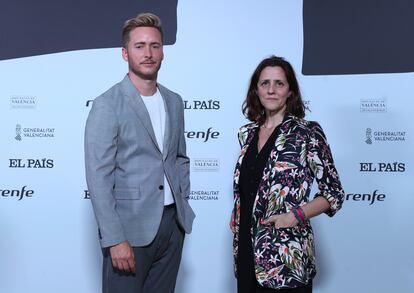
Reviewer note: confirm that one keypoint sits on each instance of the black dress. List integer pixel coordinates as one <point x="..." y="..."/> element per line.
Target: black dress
<point x="251" y="172"/>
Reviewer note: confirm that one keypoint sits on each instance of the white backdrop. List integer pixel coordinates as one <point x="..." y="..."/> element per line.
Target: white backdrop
<point x="48" y="237"/>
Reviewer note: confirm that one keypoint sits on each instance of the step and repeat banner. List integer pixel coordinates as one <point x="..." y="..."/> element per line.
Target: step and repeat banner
<point x="355" y="71"/>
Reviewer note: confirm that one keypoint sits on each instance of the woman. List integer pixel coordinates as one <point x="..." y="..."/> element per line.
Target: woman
<point x="281" y="155"/>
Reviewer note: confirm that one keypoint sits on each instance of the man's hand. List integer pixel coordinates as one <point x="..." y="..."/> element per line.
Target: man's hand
<point x="122" y="256"/>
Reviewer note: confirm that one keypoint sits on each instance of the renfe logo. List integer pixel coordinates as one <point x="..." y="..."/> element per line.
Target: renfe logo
<point x="205" y="135"/>
<point x="17" y="193"/>
<point x="366" y="197"/>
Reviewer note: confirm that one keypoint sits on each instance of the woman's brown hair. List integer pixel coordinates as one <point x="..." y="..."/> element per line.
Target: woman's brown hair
<point x="253" y="109"/>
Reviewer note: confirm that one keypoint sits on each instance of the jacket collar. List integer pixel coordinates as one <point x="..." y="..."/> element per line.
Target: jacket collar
<point x="137" y="104"/>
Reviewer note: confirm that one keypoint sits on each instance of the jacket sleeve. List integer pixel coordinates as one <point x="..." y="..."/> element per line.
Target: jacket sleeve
<point x="321" y="164"/>
<point x="100" y="150"/>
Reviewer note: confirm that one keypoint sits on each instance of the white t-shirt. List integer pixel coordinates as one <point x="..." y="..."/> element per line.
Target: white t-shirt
<point x="156" y="109"/>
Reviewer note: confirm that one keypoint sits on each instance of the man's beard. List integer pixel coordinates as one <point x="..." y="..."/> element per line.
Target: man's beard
<point x="145" y="76"/>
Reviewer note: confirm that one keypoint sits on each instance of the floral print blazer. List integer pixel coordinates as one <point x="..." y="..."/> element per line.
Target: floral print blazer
<point x="285" y="258"/>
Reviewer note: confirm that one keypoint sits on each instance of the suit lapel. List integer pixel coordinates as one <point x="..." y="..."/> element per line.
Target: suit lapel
<point x="169" y="112"/>
<point x="137" y="104"/>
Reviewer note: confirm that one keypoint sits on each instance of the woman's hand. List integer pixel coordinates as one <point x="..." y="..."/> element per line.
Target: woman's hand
<point x="286" y="220"/>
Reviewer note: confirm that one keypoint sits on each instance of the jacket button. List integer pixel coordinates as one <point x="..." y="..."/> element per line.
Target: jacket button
<point x="160" y="187"/>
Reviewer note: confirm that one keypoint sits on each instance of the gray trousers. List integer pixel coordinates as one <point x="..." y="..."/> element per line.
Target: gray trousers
<point x="156" y="264"/>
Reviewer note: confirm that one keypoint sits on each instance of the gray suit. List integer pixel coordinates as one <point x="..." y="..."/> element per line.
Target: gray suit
<point x="125" y="167"/>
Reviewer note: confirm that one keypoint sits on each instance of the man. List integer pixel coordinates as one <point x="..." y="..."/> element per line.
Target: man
<point x="137" y="169"/>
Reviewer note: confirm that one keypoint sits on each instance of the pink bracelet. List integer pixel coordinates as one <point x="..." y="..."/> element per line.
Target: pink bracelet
<point x="301" y="214"/>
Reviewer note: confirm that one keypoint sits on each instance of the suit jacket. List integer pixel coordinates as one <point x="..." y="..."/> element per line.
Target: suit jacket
<point x="125" y="167"/>
<point x="284" y="258"/>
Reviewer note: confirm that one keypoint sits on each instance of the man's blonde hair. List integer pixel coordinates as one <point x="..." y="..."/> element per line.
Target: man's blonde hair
<point x="141" y="20"/>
